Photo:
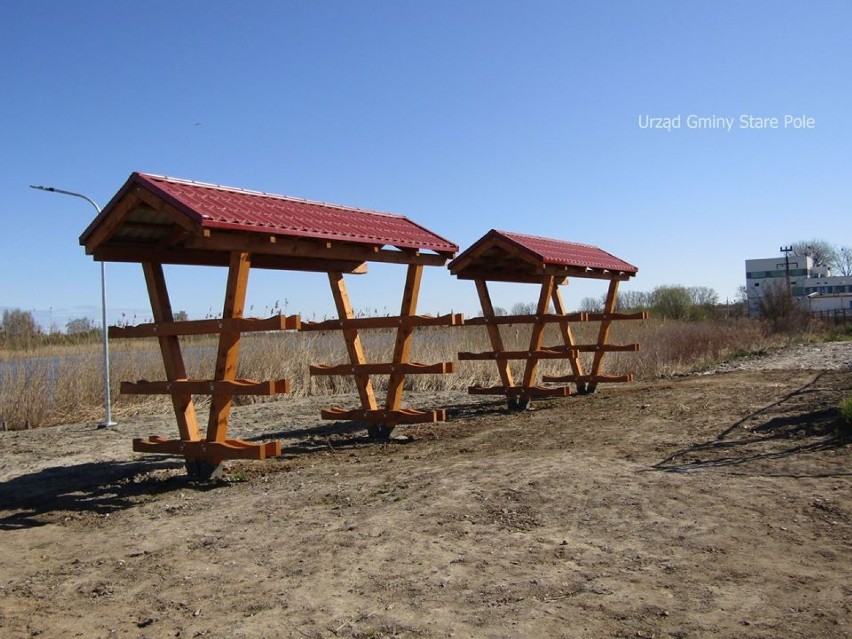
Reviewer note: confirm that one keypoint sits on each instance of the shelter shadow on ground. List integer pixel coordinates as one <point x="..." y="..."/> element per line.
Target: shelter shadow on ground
<point x="97" y="488"/>
<point x="802" y="422"/>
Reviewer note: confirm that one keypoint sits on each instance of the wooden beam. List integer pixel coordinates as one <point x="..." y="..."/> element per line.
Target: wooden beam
<point x="170" y="349"/>
<point x="588" y="379"/>
<point x="494" y="333"/>
<point x="111" y="222"/>
<point x="208" y="327"/>
<point x="207" y="387"/>
<point x="404" y="334"/>
<point x="603" y="333"/>
<point x="400" y="416"/>
<point x="182" y="219"/>
<point x="597" y="317"/>
<point x="543" y="353"/>
<point x="548" y="318"/>
<point x="305" y="247"/>
<point x="354" y="346"/>
<point x="215" y="452"/>
<point x="133" y="252"/>
<point x="454" y="319"/>
<point x="229" y="345"/>
<point x="537" y="335"/>
<point x="521" y="391"/>
<point x="568" y="334"/>
<point x="410" y="368"/>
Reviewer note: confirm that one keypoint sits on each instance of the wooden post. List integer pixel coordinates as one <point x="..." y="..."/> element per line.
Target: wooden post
<point x="353" y="341"/>
<point x="404" y="333"/>
<point x="170" y="348"/>
<point x="229" y="345"/>
<point x="537" y="335"/>
<point x="568" y="338"/>
<point x="603" y="334"/>
<point x="494" y="334"/>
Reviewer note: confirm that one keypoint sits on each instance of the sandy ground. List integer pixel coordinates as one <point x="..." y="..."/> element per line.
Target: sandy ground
<point x="711" y="505"/>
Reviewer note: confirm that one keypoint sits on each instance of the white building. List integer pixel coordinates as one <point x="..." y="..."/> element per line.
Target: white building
<point x="813" y="287"/>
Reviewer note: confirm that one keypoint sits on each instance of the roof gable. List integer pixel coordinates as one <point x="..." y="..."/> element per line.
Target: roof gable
<point x="515" y="257"/>
<point x="151" y="211"/>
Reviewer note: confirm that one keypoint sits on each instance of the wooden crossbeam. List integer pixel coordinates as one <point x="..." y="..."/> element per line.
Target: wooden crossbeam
<point x="598" y="317"/>
<point x="399" y="416"/>
<point x="544" y="353"/>
<point x="548" y="318"/>
<point x="552" y="352"/>
<point x="454" y="319"/>
<point x="305" y="248"/>
<point x="596" y="348"/>
<point x="118" y="251"/>
<point x="208" y="326"/>
<point x="588" y="379"/>
<point x="215" y="452"/>
<point x="206" y="387"/>
<point x="409" y="368"/>
<point x="521" y="391"/>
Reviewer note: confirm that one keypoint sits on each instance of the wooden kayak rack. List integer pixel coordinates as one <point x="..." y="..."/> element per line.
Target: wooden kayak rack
<point x="154" y="220"/>
<point x="512" y="257"/>
<point x="382" y="420"/>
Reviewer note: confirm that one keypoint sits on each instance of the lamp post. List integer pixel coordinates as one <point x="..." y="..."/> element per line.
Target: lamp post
<point x="107" y="403"/>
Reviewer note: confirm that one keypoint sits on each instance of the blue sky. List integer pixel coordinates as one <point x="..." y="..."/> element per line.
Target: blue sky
<point x="464" y="116"/>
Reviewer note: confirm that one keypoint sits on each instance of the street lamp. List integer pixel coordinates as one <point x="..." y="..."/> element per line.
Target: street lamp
<point x="107" y="404"/>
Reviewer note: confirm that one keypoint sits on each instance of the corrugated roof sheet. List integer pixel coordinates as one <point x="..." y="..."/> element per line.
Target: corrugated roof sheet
<point x="214" y="206"/>
<point x="562" y="253"/>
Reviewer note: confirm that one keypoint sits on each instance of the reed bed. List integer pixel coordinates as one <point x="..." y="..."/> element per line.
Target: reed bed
<point x="65" y="385"/>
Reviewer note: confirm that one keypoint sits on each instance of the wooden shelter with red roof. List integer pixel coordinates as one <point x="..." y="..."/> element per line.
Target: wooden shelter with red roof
<point x="155" y="220"/>
<point x="501" y="256"/>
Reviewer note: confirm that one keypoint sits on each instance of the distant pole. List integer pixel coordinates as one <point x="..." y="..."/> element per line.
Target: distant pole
<point x="786" y="250"/>
<point x="107" y="423"/>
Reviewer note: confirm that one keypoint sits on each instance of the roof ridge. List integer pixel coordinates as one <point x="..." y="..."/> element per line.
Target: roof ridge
<point x="549" y="239"/>
<point x="277" y="196"/>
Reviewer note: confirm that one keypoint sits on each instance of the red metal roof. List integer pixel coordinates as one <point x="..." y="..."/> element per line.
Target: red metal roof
<point x="214" y="206"/>
<point x="563" y="253"/>
<point x="510" y="257"/>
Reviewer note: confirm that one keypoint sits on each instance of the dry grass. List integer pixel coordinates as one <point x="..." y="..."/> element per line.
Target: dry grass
<point x="64" y="384"/>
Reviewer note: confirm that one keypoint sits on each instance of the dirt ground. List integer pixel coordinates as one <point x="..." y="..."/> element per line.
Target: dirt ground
<point x="712" y="505"/>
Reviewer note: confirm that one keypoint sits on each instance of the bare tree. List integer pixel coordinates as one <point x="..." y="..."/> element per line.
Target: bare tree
<point x="703" y="296"/>
<point x="591" y="305"/>
<point x="823" y="253"/>
<point x="630" y="300"/>
<point x="844" y="261"/>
